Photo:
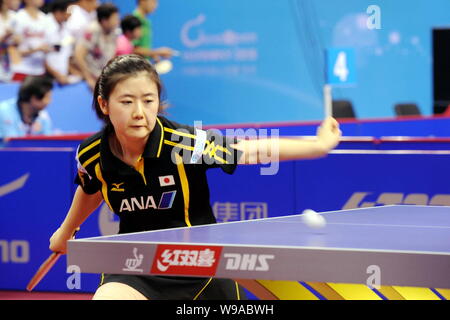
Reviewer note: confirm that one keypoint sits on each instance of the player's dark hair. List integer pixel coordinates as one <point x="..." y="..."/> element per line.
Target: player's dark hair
<point x="120" y="69"/>
<point x="129" y="23"/>
<point x="105" y="11"/>
<point x="36" y="86"/>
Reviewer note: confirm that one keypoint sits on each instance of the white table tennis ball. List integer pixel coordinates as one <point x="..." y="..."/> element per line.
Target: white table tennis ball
<point x="163" y="66"/>
<point x="313" y="220"/>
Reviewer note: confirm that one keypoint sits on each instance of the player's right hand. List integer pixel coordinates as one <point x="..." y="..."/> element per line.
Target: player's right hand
<point x="58" y="241"/>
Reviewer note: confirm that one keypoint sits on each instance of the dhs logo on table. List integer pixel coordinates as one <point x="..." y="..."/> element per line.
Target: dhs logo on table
<point x="248" y="262"/>
<point x="186" y="260"/>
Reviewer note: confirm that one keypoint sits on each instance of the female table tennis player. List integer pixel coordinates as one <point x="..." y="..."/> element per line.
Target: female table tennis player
<point x="152" y="173"/>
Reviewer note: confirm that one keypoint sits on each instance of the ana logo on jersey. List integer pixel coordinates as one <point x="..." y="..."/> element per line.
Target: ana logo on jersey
<point x="144" y="203"/>
<point x="186" y="260"/>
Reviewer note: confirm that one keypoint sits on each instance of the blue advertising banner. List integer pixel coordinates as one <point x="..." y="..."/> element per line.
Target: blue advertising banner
<point x="253" y="191"/>
<point x="36" y="189"/>
<point x="357" y="179"/>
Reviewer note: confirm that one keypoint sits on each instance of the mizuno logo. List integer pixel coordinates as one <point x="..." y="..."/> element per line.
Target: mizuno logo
<point x="14" y="185"/>
<point x="117" y="187"/>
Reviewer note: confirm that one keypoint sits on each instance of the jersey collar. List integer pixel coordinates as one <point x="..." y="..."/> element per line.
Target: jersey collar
<point x="152" y="149"/>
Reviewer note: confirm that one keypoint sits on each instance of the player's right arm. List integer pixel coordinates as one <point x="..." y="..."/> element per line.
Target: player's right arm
<point x="87" y="196"/>
<point x="83" y="205"/>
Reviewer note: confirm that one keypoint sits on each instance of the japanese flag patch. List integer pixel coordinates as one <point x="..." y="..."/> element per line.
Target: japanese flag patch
<point x="165" y="181"/>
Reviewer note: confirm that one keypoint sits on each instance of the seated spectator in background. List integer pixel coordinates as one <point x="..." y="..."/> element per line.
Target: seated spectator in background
<point x="31" y="26"/>
<point x="58" y="61"/>
<point x="131" y="30"/>
<point x="26" y="114"/>
<point x="144" y="45"/>
<point x="6" y="40"/>
<point x="98" y="45"/>
<point x="13" y="5"/>
<point x="82" y="14"/>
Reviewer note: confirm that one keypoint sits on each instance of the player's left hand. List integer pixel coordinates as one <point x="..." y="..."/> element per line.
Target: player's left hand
<point x="329" y="134"/>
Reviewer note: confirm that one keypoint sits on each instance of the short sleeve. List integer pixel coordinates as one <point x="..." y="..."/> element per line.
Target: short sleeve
<point x="88" y="40"/>
<point x="218" y="151"/>
<point x="207" y="148"/>
<point x="88" y="182"/>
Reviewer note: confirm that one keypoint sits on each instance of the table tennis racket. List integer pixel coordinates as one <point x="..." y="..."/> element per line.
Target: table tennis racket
<point x="45" y="268"/>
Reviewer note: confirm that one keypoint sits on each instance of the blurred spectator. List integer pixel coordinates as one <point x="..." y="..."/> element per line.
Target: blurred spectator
<point x="131" y="30"/>
<point x="82" y="14"/>
<point x="31" y="26"/>
<point x="58" y="61"/>
<point x="13" y="5"/>
<point x="98" y="45"/>
<point x="144" y="45"/>
<point x="6" y="40"/>
<point x="26" y="114"/>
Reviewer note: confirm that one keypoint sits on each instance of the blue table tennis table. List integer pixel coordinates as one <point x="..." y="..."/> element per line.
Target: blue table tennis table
<point x="401" y="245"/>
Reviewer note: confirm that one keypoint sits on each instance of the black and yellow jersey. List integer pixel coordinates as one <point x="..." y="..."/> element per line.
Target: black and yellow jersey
<point x="168" y="186"/>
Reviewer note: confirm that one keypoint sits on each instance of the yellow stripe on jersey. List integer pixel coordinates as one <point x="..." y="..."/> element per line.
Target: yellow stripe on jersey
<point x="218" y="147"/>
<point x="98" y="173"/>
<point x="200" y="292"/>
<point x="179" y="145"/>
<point x="88" y="162"/>
<point x="184" y="187"/>
<point x="238" y="296"/>
<point x="211" y="150"/>
<point x="184" y="134"/>
<point x="140" y="168"/>
<point x="162" y="137"/>
<point x="89" y="147"/>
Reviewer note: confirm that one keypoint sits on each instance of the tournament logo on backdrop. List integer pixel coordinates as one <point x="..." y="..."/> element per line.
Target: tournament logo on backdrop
<point x="228" y="52"/>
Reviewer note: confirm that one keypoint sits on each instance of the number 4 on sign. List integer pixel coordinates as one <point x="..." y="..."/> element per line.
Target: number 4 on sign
<point x="340" y="69"/>
<point x="341" y="66"/>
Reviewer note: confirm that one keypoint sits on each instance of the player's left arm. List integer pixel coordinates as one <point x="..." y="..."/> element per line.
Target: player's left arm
<point x="266" y="150"/>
